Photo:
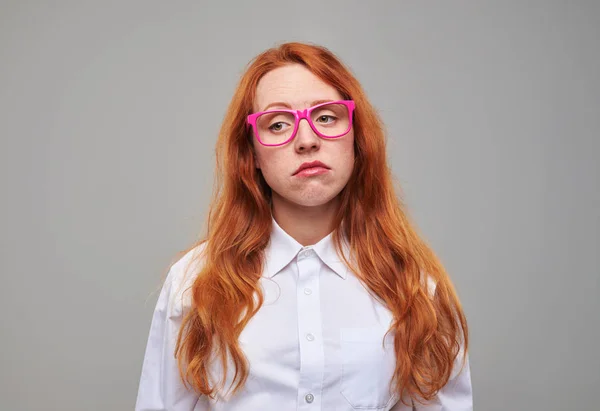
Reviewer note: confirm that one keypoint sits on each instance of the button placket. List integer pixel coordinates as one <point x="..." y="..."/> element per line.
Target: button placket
<point x="309" y="330"/>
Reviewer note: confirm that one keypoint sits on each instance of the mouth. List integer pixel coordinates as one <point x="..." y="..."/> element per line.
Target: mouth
<point x="311" y="168"/>
<point x="312" y="171"/>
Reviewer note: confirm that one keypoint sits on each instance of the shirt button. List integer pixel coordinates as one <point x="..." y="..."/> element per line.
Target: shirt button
<point x="307" y="291"/>
<point x="310" y="337"/>
<point x="309" y="398"/>
<point x="307" y="252"/>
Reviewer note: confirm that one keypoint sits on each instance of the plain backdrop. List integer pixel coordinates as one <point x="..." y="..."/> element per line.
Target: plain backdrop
<point x="109" y="112"/>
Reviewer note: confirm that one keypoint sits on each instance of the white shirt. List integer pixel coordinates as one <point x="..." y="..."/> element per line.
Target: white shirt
<point x="314" y="345"/>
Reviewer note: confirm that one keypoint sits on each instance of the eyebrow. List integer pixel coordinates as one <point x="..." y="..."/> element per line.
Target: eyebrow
<point x="286" y="105"/>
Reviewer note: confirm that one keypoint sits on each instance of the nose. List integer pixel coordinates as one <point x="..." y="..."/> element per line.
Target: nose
<point x="306" y="138"/>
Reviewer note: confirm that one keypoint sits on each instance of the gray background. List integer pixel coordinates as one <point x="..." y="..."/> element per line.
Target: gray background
<point x="108" y="118"/>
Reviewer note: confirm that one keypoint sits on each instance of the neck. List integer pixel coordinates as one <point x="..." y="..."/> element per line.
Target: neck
<point x="307" y="225"/>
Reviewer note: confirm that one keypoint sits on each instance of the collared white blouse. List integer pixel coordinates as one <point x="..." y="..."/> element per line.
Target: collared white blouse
<point x="316" y="344"/>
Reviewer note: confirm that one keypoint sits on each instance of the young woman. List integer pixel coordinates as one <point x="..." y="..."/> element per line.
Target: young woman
<point x="312" y="289"/>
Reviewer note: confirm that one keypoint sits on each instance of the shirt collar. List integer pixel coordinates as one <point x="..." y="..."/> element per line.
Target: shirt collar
<point x="283" y="248"/>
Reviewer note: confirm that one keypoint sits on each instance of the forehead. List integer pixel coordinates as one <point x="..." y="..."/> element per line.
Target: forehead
<point x="292" y="84"/>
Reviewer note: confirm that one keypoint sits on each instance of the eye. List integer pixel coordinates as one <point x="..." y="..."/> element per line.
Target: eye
<point x="278" y="126"/>
<point x="324" y="119"/>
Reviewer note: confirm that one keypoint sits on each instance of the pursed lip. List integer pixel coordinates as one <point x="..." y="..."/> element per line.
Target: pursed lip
<point x="310" y="165"/>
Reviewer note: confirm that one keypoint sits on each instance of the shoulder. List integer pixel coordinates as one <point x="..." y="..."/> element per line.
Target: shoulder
<point x="187" y="264"/>
<point x="181" y="277"/>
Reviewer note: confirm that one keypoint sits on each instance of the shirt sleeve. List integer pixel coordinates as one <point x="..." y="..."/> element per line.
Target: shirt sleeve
<point x="456" y="395"/>
<point x="160" y="386"/>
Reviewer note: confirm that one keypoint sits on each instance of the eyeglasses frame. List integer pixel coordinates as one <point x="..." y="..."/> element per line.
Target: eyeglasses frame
<point x="299" y="115"/>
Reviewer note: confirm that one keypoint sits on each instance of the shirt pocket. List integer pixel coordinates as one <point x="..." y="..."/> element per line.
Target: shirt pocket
<point x="368" y="362"/>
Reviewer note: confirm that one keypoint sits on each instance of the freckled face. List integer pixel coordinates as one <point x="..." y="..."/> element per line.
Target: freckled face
<point x="296" y="86"/>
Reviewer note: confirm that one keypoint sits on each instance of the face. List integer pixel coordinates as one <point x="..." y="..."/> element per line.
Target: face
<point x="297" y="87"/>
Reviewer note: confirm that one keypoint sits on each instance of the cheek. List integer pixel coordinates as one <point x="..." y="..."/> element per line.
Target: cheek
<point x="348" y="153"/>
<point x="271" y="165"/>
<point x="346" y="160"/>
<point x="263" y="157"/>
<point x="256" y="150"/>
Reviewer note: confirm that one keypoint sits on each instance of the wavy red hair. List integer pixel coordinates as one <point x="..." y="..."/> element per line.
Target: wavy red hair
<point x="391" y="258"/>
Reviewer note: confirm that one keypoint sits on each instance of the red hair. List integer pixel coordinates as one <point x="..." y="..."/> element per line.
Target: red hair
<point x="391" y="259"/>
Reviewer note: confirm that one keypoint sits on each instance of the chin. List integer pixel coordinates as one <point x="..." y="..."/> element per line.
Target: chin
<point x="309" y="197"/>
<point x="311" y="202"/>
<point x="312" y="199"/>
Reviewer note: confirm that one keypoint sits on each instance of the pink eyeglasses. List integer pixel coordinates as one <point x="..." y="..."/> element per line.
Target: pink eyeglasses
<point x="332" y="119"/>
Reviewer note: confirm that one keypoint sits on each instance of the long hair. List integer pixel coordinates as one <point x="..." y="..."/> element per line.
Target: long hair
<point x="392" y="261"/>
